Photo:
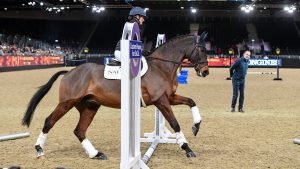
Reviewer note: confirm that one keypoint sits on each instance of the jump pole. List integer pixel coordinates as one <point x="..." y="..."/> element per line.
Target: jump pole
<point x="130" y="98"/>
<point x="160" y="134"/>
<point x="296" y="141"/>
<point x="262" y="73"/>
<point x="14" y="136"/>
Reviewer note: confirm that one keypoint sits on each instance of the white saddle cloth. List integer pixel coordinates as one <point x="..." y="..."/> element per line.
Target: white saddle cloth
<point x="114" y="72"/>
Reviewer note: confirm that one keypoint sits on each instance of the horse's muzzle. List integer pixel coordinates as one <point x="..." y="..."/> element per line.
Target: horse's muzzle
<point x="203" y="71"/>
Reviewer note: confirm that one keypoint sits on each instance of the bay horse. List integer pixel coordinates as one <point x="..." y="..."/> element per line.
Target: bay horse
<point x="86" y="89"/>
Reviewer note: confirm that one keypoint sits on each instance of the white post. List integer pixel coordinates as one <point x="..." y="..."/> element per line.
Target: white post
<point x="130" y="98"/>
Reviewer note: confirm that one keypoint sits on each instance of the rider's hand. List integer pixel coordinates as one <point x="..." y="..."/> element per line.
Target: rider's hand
<point x="145" y="53"/>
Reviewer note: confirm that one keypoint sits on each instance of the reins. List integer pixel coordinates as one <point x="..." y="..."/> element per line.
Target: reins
<point x="165" y="60"/>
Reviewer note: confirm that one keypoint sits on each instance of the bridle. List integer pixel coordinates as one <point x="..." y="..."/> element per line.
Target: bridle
<point x="199" y="62"/>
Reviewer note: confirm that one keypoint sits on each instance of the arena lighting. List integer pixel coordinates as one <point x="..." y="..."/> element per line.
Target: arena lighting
<point x="182" y="7"/>
<point x="41" y="3"/>
<point x="247" y="8"/>
<point x="97" y="9"/>
<point x="31" y="3"/>
<point x="193" y="10"/>
<point x="290" y="9"/>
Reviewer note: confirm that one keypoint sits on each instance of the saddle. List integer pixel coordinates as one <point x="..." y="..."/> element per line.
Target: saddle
<point x="113" y="62"/>
<point x="112" y="69"/>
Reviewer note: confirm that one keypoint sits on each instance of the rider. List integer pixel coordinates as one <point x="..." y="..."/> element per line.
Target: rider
<point x="138" y="15"/>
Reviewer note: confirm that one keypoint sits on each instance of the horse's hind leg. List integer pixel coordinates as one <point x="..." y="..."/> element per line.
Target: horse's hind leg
<point x="164" y="106"/>
<point x="178" y="100"/>
<point x="87" y="109"/>
<point x="60" y="110"/>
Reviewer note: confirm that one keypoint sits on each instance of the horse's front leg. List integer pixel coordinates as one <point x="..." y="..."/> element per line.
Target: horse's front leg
<point x="178" y="100"/>
<point x="165" y="108"/>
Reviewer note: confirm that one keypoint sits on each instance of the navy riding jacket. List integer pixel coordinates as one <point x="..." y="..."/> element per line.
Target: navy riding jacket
<point x="238" y="70"/>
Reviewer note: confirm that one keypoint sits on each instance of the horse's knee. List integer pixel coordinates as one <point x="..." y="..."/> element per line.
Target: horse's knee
<point x="175" y="126"/>
<point x="79" y="134"/>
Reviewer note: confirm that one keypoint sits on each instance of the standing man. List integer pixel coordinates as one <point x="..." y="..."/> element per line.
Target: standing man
<point x="238" y="73"/>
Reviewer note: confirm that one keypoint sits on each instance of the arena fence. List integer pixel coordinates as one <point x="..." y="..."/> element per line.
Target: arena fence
<point x="11" y="63"/>
<point x="213" y="61"/>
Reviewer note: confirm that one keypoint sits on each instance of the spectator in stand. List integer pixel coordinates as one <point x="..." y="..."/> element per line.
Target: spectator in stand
<point x="262" y="49"/>
<point x="219" y="52"/>
<point x="1" y="51"/>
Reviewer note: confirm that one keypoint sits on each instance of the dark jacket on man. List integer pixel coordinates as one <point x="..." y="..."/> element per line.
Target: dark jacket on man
<point x="238" y="70"/>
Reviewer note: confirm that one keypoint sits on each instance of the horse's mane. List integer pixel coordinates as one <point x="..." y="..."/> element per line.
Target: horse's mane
<point x="175" y="38"/>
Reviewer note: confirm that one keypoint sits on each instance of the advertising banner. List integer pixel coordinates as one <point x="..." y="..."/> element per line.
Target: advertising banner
<point x="17" y="61"/>
<point x="220" y="61"/>
<point x="265" y="62"/>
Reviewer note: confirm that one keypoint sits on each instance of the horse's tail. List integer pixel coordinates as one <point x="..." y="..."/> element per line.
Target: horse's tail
<point x="35" y="100"/>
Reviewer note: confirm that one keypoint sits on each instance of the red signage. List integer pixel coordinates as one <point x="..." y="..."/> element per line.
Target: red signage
<point x="17" y="61"/>
<point x="213" y="62"/>
<point x="220" y="61"/>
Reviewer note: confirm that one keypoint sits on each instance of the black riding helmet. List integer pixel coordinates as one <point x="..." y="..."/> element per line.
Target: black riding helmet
<point x="138" y="11"/>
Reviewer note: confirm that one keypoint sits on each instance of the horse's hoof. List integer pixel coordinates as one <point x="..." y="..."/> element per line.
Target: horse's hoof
<point x="196" y="128"/>
<point x="41" y="157"/>
<point x="40" y="152"/>
<point x="100" y="156"/>
<point x="190" y="154"/>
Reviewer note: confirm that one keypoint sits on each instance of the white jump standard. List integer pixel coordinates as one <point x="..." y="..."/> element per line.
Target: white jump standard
<point x="130" y="98"/>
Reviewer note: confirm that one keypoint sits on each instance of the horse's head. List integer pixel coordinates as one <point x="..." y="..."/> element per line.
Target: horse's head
<point x="198" y="55"/>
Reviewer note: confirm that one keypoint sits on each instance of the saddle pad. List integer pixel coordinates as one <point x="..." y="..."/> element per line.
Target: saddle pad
<point x="114" y="72"/>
